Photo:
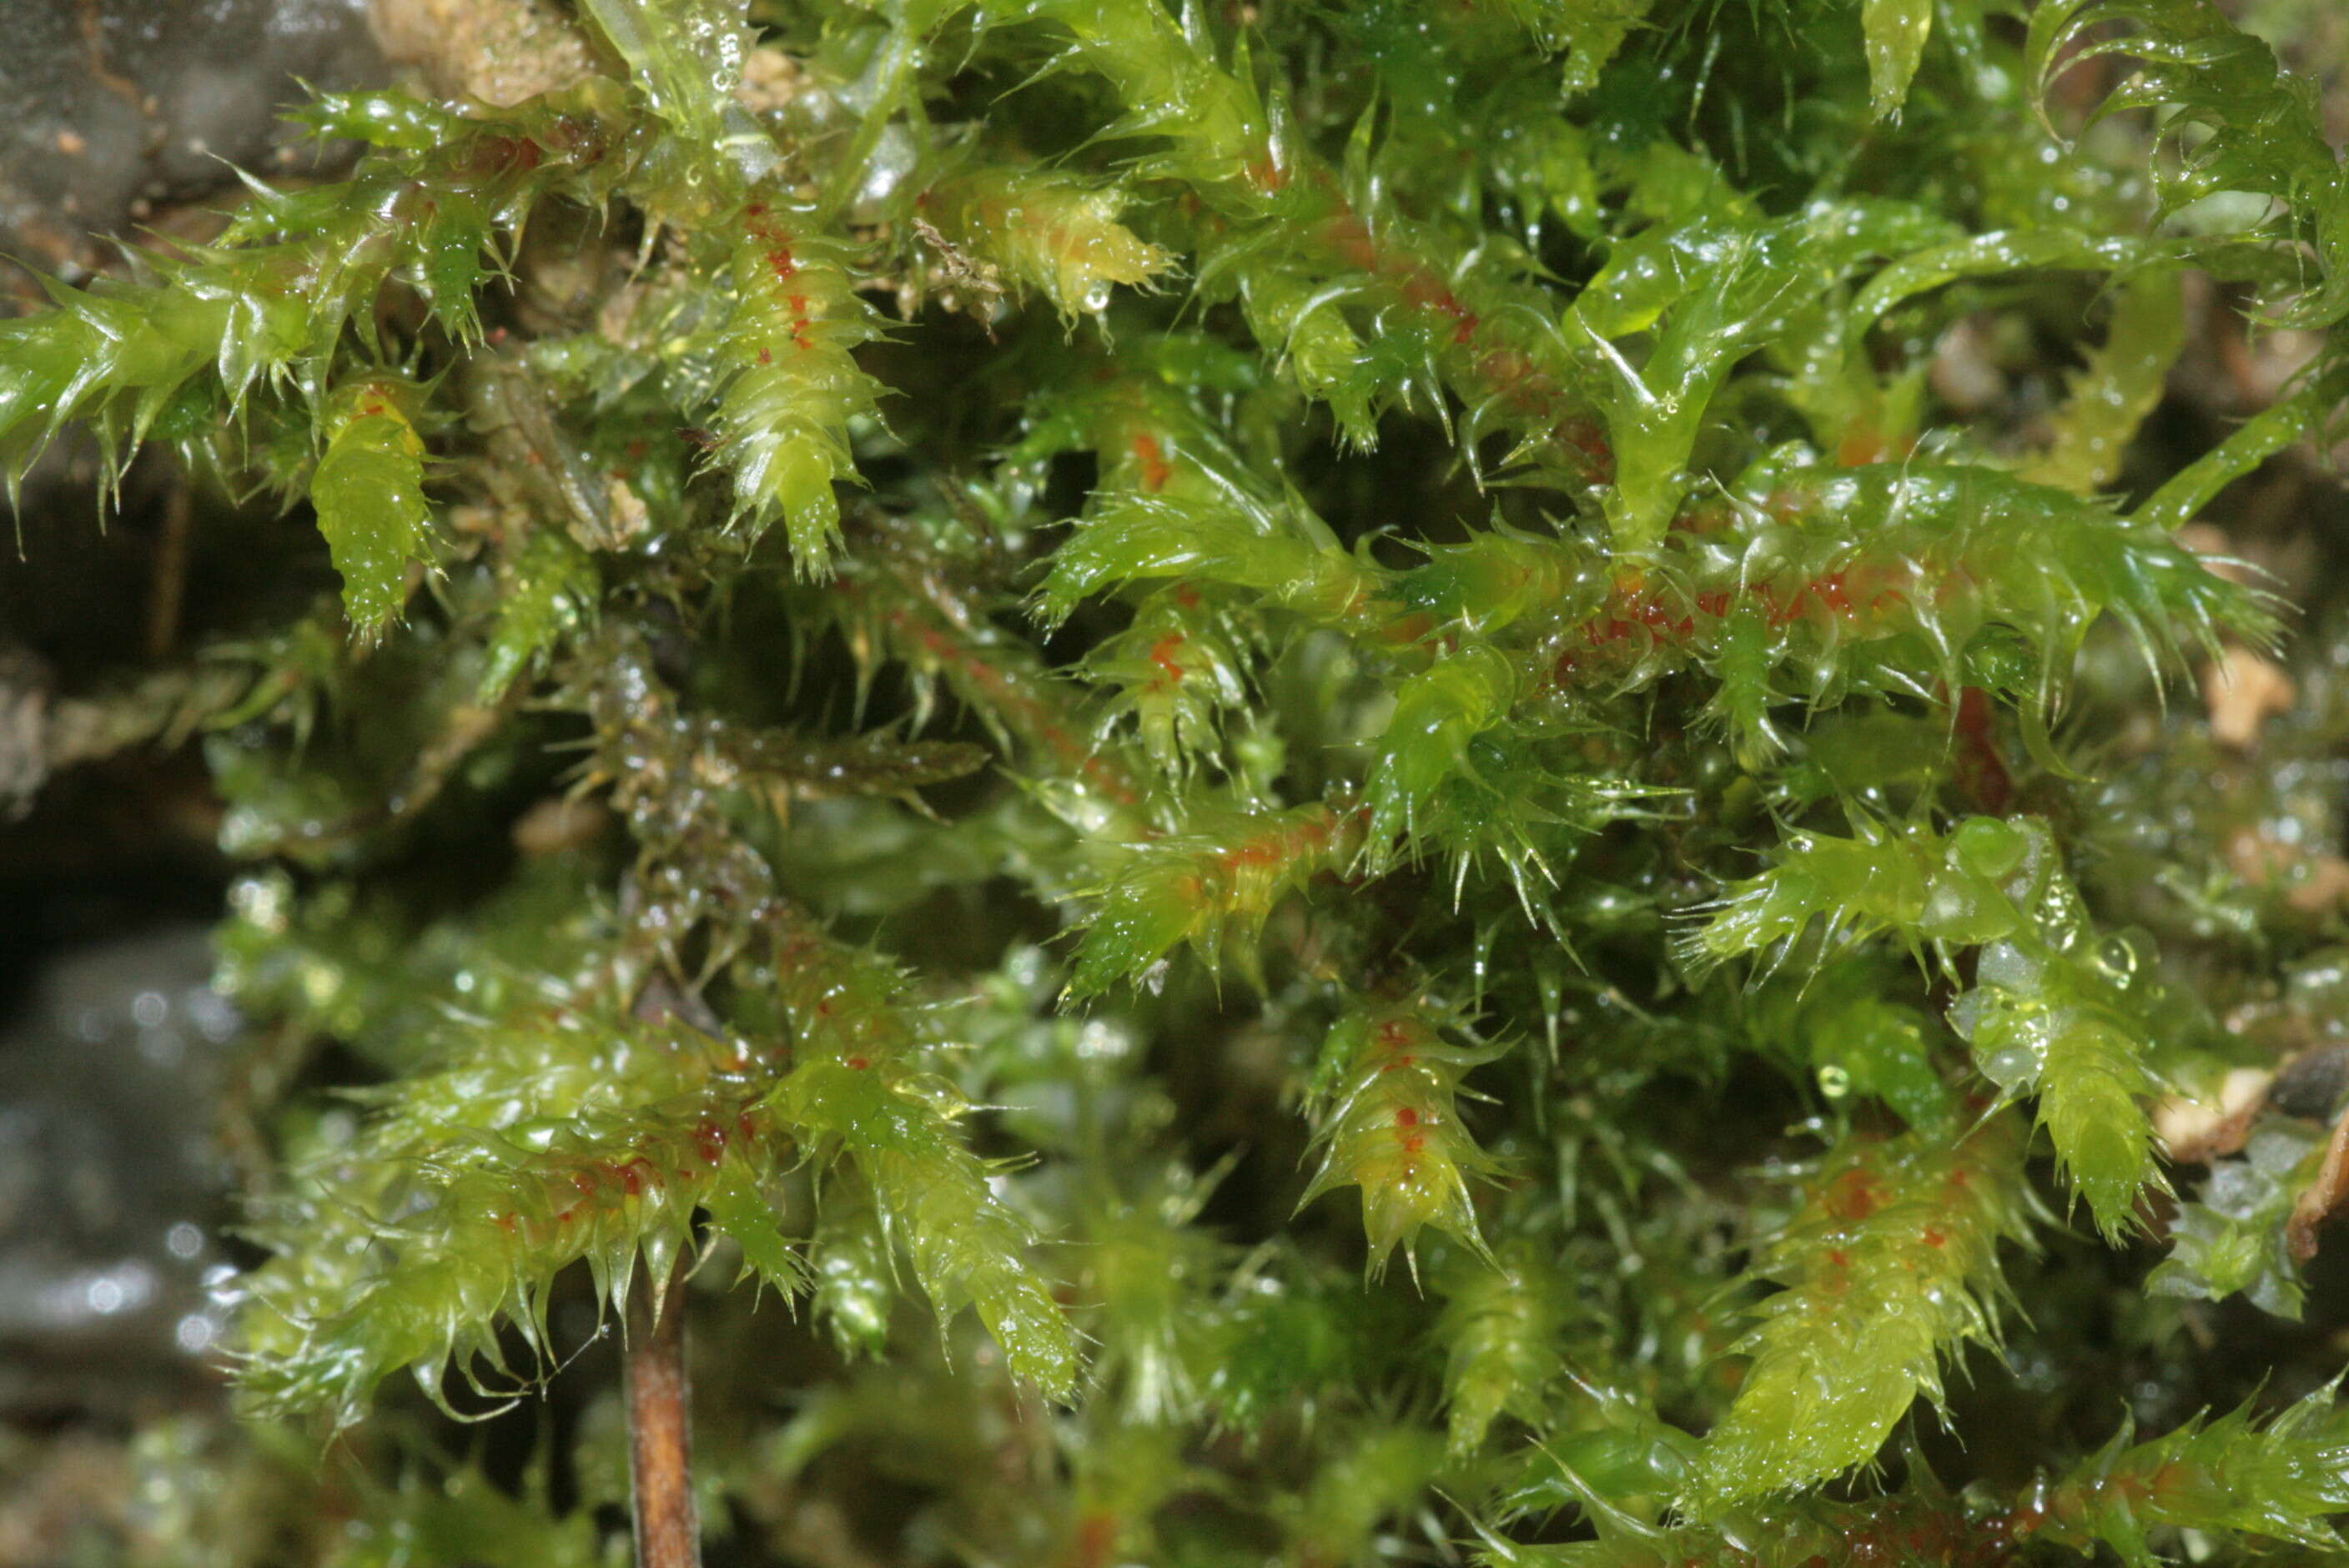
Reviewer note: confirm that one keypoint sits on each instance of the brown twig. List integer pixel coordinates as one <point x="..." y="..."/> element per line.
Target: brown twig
<point x="168" y="585"/>
<point x="660" y="1440"/>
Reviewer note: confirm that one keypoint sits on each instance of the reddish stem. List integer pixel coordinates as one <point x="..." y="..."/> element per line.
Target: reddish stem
<point x="660" y="1438"/>
<point x="1982" y="771"/>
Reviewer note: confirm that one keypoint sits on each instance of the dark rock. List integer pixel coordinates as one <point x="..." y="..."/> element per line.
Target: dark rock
<point x="110" y="1188"/>
<point x="117" y="107"/>
<point x="2313" y="1083"/>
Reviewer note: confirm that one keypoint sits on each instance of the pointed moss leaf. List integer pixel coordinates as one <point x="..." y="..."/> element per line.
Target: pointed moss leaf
<point x="1891" y="1267"/>
<point x="1450" y="317"/>
<point x="1050" y="233"/>
<point x="1213" y="887"/>
<point x="2056" y="1011"/>
<point x="1589" y="32"/>
<point x="1840" y="1024"/>
<point x="1317" y="348"/>
<point x="1377" y="1472"/>
<point x="116" y="355"/>
<point x="551" y="596"/>
<point x="1386" y="1108"/>
<point x="2003" y="251"/>
<point x="1180" y="672"/>
<point x="739" y="1210"/>
<point x="855" y="1278"/>
<point x="1437" y="714"/>
<point x="1503" y="1322"/>
<point x="378" y="119"/>
<point x="2107" y="400"/>
<point x="968" y="1248"/>
<point x="2283" y="1481"/>
<point x="1153" y="1275"/>
<point x="1895" y="579"/>
<point x="788" y="384"/>
<point x="588" y="1137"/>
<point x="1911" y="882"/>
<point x="1225" y="534"/>
<point x="1895" y="31"/>
<point x="2069" y="1016"/>
<point x="274" y="292"/>
<point x="368" y="492"/>
<point x="1712" y="289"/>
<point x="1166" y="78"/>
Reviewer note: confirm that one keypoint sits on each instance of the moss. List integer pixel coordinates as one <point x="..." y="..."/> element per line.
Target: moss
<point x="1406" y="609"/>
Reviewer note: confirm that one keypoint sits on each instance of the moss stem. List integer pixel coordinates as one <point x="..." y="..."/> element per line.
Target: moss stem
<point x="660" y="1438"/>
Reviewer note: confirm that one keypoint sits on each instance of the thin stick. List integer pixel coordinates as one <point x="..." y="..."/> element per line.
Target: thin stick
<point x="660" y="1440"/>
<point x="168" y="585"/>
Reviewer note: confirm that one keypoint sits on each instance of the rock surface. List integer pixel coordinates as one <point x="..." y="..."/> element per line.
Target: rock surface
<point x="117" y="107"/>
<point x="109" y="1182"/>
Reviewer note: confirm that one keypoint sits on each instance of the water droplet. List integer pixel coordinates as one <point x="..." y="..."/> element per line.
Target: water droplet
<point x="1096" y="297"/>
<point x="2013" y="1066"/>
<point x="1834" y="1081"/>
<point x="2117" y="959"/>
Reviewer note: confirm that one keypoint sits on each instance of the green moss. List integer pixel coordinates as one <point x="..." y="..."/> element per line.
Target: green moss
<point x="1410" y="600"/>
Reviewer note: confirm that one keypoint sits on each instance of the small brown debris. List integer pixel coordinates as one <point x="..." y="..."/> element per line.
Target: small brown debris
<point x="2240" y="689"/>
<point x="498" y="51"/>
<point x="1964" y="372"/>
<point x="2324" y="1194"/>
<point x="2311" y="884"/>
<point x="2325" y="886"/>
<point x="631" y="518"/>
<point x="2196" y="1132"/>
<point x="558" y="823"/>
<point x="770" y="79"/>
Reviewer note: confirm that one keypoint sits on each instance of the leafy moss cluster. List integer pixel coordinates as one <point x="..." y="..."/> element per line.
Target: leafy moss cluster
<point x="1023" y="671"/>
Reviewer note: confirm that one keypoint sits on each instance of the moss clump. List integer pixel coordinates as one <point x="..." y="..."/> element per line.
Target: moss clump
<point x="1018" y="674"/>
